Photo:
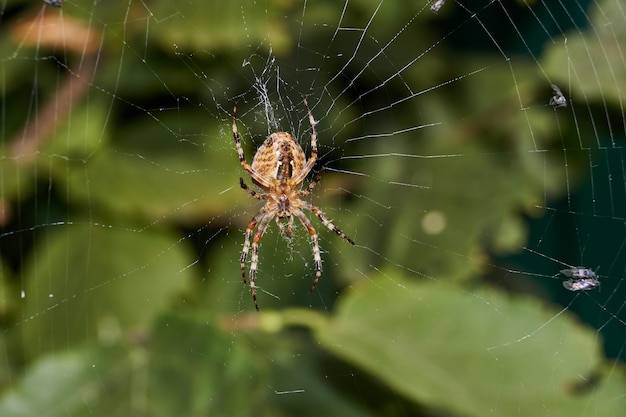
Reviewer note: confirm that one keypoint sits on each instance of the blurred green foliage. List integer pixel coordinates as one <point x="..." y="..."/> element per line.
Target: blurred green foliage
<point x="123" y="220"/>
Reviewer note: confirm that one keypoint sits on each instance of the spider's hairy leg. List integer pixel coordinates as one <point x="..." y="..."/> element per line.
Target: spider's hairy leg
<point x="311" y="162"/>
<point x="327" y="222"/>
<point x="317" y="257"/>
<point x="313" y="132"/>
<point x="246" y="248"/>
<point x="250" y="191"/>
<point x="263" y="219"/>
<point x="312" y="185"/>
<point x="288" y="232"/>
<point x="242" y="157"/>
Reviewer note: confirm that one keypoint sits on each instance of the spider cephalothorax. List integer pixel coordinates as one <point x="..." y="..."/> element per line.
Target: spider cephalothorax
<point x="279" y="168"/>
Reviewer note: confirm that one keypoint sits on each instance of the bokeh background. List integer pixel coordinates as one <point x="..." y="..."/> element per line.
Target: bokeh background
<point x="122" y="220"/>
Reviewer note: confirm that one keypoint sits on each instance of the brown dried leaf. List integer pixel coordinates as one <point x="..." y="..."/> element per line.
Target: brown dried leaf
<point x="57" y="30"/>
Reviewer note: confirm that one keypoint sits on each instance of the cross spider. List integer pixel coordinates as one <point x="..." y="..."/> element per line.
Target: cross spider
<point x="279" y="169"/>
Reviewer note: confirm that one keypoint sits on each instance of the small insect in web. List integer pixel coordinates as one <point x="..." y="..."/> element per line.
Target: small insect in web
<point x="279" y="168"/>
<point x="558" y="99"/>
<point x="581" y="284"/>
<point x="583" y="278"/>
<point x="438" y="4"/>
<point x="54" y="3"/>
<point x="579" y="272"/>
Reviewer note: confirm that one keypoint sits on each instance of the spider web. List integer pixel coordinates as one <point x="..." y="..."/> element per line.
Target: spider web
<point x="472" y="150"/>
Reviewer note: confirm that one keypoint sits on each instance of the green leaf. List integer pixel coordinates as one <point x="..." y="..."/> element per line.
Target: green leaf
<point x="217" y="25"/>
<point x="92" y="382"/>
<point x="188" y="368"/>
<point x="7" y="291"/>
<point x="81" y="134"/>
<point x="16" y="178"/>
<point x="199" y="371"/>
<point x="90" y="281"/>
<point x="151" y="174"/>
<point x="596" y="55"/>
<point x="474" y="354"/>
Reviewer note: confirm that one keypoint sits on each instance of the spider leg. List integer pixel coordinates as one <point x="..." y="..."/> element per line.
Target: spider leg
<point x="317" y="257"/>
<point x="250" y="191"/>
<point x="242" y="157"/>
<point x="312" y="185"/>
<point x="311" y="162"/>
<point x="327" y="222"/>
<point x="246" y="247"/>
<point x="313" y="132"/>
<point x="263" y="219"/>
<point x="288" y="232"/>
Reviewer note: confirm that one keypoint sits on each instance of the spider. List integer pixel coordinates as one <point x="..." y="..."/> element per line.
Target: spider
<point x="279" y="168"/>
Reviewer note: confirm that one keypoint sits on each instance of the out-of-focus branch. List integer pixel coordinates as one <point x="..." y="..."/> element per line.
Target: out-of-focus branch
<point x="57" y="32"/>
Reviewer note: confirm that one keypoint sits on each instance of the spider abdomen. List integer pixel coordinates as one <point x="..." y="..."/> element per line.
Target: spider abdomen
<point x="279" y="157"/>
